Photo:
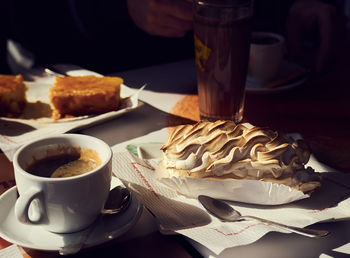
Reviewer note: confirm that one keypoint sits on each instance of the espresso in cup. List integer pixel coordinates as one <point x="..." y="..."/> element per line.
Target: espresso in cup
<point x="72" y="162"/>
<point x="63" y="181"/>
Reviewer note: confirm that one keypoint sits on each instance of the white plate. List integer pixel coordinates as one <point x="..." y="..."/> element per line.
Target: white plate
<point x="37" y="111"/>
<point x="14" y="132"/>
<point x="287" y="68"/>
<point x="34" y="237"/>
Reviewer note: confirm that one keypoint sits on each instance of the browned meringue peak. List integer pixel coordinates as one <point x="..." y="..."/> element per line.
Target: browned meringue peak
<point x="183" y="132"/>
<point x="189" y="138"/>
<point x="303" y="180"/>
<point x="223" y="148"/>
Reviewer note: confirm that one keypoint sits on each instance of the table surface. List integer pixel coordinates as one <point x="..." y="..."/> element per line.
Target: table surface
<point x="319" y="110"/>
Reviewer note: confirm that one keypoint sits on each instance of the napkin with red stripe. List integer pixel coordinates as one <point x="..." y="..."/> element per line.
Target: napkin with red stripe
<point x="176" y="213"/>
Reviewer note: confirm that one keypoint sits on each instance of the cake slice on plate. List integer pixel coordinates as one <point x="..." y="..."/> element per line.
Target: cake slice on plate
<point x="12" y="95"/>
<point x="84" y="95"/>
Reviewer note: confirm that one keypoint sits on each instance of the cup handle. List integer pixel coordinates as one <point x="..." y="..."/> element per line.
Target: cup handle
<point x="31" y="198"/>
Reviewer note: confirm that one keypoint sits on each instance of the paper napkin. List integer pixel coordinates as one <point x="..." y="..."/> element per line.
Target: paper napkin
<point x="177" y="214"/>
<point x="11" y="251"/>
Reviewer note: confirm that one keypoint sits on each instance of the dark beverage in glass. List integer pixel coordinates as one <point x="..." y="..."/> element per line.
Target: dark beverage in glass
<point x="222" y="39"/>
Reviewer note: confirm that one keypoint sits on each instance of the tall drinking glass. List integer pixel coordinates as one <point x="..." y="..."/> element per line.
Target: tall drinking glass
<point x="222" y="38"/>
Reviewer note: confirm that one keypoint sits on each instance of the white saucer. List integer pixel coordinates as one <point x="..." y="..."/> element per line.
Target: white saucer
<point x="287" y="68"/>
<point x="34" y="237"/>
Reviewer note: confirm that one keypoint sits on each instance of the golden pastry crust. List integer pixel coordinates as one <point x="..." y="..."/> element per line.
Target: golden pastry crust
<point x="12" y="95"/>
<point x="84" y="95"/>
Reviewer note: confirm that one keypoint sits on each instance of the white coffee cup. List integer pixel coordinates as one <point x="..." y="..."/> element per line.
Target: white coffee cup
<point x="66" y="204"/>
<point x="266" y="54"/>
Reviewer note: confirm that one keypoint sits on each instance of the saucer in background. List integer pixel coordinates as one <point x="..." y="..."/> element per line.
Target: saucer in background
<point x="290" y="76"/>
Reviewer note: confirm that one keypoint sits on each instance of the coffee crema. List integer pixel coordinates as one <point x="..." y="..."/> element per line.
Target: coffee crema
<point x="72" y="162"/>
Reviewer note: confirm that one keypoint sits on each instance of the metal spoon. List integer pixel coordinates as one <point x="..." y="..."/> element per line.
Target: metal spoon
<point x="225" y="212"/>
<point x="119" y="199"/>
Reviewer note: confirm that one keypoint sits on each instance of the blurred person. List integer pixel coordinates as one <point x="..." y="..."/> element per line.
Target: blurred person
<point x="308" y="25"/>
<point x="319" y="24"/>
<point x="105" y="36"/>
<point x="162" y="18"/>
<point x="108" y="36"/>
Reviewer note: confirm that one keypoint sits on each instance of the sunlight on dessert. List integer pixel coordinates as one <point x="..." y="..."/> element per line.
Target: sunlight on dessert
<point x="224" y="150"/>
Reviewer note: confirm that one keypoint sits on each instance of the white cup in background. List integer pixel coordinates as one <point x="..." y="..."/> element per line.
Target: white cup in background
<point x="65" y="204"/>
<point x="266" y="54"/>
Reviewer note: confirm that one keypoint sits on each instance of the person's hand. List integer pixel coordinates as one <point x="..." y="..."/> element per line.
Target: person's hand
<point x="315" y="21"/>
<point x="168" y="18"/>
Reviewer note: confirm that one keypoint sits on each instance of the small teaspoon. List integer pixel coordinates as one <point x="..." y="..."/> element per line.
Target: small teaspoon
<point x="119" y="199"/>
<point x="225" y="212"/>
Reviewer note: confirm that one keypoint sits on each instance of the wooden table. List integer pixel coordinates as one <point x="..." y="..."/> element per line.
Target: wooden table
<point x="319" y="110"/>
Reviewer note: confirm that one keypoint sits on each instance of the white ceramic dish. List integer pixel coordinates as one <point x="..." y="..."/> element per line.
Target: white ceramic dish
<point x="37" y="123"/>
<point x="38" y="101"/>
<point x="286" y="69"/>
<point x="34" y="237"/>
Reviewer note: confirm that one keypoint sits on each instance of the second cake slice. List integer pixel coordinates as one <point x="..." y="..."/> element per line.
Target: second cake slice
<point x="84" y="95"/>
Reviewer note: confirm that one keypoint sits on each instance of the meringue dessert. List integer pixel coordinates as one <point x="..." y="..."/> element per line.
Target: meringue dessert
<point x="224" y="150"/>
